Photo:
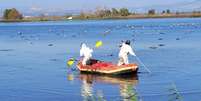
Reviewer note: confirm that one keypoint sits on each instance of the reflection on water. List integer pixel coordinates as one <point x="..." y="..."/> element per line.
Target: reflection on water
<point x="128" y="93"/>
<point x="174" y="94"/>
<point x="87" y="90"/>
<point x="70" y="77"/>
<point x="126" y="85"/>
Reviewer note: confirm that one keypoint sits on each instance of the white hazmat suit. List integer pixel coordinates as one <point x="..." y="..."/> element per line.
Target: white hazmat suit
<point x="86" y="52"/>
<point x="123" y="54"/>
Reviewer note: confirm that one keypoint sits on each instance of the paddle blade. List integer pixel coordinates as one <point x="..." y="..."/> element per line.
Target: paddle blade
<point x="70" y="62"/>
<point x="98" y="44"/>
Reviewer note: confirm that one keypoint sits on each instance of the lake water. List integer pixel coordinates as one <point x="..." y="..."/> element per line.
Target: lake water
<point x="34" y="54"/>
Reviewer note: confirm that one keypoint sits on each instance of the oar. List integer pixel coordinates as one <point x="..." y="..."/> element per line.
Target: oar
<point x="98" y="44"/>
<point x="71" y="61"/>
<point x="147" y="69"/>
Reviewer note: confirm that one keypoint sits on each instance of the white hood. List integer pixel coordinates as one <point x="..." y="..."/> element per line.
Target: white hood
<point x="85" y="51"/>
<point x="125" y="50"/>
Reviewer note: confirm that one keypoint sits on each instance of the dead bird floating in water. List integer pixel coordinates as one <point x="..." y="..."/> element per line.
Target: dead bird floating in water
<point x="6" y="50"/>
<point x="177" y="38"/>
<point x="153" y="47"/>
<point x="160" y="38"/>
<point x="50" y="44"/>
<point x="161" y="44"/>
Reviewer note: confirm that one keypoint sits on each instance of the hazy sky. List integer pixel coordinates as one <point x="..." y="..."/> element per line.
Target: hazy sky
<point x="51" y="5"/>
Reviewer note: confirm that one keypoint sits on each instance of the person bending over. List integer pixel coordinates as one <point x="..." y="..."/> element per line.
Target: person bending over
<point x="125" y="49"/>
<point x="86" y="53"/>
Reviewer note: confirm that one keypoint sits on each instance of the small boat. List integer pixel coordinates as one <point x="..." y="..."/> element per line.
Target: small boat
<point x="102" y="67"/>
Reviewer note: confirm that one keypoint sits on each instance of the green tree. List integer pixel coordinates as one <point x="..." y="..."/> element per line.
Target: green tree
<point x="124" y="12"/>
<point x="163" y="12"/>
<point x="115" y="12"/>
<point x="12" y="14"/>
<point x="168" y="11"/>
<point x="103" y="13"/>
<point x="151" y="12"/>
<point x="108" y="12"/>
<point x="5" y="15"/>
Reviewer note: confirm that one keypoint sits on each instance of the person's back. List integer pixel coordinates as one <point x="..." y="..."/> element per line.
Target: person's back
<point x="124" y="51"/>
<point x="86" y="53"/>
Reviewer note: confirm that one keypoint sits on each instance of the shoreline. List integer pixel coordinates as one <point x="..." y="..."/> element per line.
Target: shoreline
<point x="136" y="16"/>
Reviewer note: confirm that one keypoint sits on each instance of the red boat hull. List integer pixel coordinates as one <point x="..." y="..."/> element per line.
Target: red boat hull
<point x="107" y="68"/>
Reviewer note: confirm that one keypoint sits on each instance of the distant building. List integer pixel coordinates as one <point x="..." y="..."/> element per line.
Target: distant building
<point x="28" y="16"/>
<point x="70" y="18"/>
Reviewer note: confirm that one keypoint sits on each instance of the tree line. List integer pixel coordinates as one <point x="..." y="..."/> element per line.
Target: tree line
<point x="12" y="14"/>
<point x="102" y="13"/>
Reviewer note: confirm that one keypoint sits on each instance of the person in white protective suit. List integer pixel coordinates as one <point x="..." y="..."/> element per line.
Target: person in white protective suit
<point x="86" y="53"/>
<point x="123" y="53"/>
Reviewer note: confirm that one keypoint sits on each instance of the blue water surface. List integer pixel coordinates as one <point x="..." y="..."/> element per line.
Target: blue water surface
<point x="34" y="54"/>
